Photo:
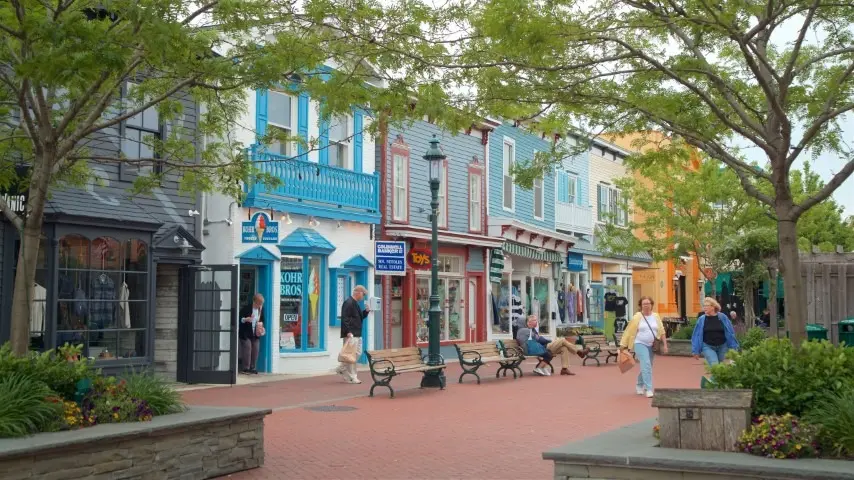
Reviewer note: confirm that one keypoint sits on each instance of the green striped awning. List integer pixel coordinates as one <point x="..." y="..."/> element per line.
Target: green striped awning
<point x="496" y="265"/>
<point x="526" y="251"/>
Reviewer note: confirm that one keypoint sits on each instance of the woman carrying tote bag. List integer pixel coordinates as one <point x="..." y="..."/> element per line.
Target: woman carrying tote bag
<point x="643" y="333"/>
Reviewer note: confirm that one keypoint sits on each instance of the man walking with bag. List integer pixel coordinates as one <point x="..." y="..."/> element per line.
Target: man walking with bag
<point x="352" y="316"/>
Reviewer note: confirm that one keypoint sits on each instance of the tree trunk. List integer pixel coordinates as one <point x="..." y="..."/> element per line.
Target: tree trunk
<point x="749" y="310"/>
<point x="28" y="259"/>
<point x="772" y="302"/>
<point x="790" y="267"/>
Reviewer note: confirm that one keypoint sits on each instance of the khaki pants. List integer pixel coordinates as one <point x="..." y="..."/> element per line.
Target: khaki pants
<point x="564" y="348"/>
<point x="349" y="369"/>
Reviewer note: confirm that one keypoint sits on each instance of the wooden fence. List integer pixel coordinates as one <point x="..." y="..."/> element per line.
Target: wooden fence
<point x="829" y="281"/>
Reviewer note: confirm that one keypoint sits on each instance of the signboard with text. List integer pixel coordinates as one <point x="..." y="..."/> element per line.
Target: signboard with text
<point x="390" y="258"/>
<point x="419" y="258"/>
<point x="574" y="262"/>
<point x="260" y="230"/>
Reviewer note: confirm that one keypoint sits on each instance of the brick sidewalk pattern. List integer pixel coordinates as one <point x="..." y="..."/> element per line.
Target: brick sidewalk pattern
<point x="496" y="430"/>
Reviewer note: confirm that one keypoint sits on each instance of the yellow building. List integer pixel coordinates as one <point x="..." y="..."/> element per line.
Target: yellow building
<point x="676" y="286"/>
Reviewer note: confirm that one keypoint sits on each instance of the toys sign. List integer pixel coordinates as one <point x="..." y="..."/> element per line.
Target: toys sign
<point x="419" y="259"/>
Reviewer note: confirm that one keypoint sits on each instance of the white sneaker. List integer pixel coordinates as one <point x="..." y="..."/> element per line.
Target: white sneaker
<point x="354" y="380"/>
<point x="547" y="372"/>
<point x="649" y="394"/>
<point x="639" y="390"/>
<point x="539" y="371"/>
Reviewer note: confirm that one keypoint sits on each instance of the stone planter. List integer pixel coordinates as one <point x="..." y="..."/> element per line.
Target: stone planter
<point x="679" y="348"/>
<point x="632" y="453"/>
<point x="203" y="442"/>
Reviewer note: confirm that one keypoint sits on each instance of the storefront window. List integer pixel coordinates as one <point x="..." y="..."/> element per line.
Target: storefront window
<point x="541" y="303"/>
<point x="103" y="296"/>
<point x="451" y="302"/>
<point x="422" y="295"/>
<point x="501" y="297"/>
<point x="453" y="314"/>
<point x="300" y="303"/>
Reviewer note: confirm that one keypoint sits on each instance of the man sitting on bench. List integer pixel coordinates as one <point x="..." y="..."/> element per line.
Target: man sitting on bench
<point x="561" y="346"/>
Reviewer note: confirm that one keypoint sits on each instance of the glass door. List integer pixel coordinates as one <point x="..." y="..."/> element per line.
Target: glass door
<point x="454" y="319"/>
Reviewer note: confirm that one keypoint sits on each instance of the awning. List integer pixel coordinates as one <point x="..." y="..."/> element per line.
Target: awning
<point x="496" y="265"/>
<point x="306" y="241"/>
<point x="520" y="250"/>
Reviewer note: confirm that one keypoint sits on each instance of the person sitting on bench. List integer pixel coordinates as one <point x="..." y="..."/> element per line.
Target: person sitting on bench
<point x="561" y="346"/>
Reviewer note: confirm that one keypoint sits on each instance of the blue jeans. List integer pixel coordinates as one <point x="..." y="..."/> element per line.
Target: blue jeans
<point x="644" y="355"/>
<point x="714" y="355"/>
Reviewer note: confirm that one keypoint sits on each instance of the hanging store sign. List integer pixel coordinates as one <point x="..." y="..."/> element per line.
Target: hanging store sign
<point x="419" y="259"/>
<point x="574" y="262"/>
<point x="17" y="193"/>
<point x="260" y="230"/>
<point x="496" y="265"/>
<point x="390" y="258"/>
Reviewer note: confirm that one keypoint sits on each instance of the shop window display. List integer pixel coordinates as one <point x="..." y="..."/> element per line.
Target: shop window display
<point x="300" y="308"/>
<point x="501" y="308"/>
<point x="103" y="296"/>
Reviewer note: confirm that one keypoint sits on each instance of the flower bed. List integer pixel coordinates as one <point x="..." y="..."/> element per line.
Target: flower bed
<point x="53" y="391"/>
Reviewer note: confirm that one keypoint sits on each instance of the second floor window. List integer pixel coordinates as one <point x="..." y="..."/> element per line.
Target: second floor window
<point x="141" y="132"/>
<point x="475" y="202"/>
<point x="280" y="122"/>
<point x="611" y="206"/>
<point x="400" y="185"/>
<point x="539" y="203"/>
<point x="339" y="134"/>
<point x="508" y="190"/>
<point x="567" y="187"/>
<point x="443" y="195"/>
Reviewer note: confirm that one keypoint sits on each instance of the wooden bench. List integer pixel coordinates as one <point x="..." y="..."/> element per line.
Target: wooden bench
<point x="512" y="348"/>
<point x="597" y="345"/>
<point x="475" y="355"/>
<point x="387" y="364"/>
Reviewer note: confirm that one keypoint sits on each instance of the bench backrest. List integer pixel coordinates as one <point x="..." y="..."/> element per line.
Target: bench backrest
<point x="485" y="349"/>
<point x="508" y="344"/>
<point x="401" y="357"/>
<point x="602" y="340"/>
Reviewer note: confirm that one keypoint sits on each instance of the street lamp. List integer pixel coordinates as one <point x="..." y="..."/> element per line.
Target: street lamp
<point x="434" y="378"/>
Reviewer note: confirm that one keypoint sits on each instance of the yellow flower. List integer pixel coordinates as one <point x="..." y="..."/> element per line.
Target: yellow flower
<point x="797" y="447"/>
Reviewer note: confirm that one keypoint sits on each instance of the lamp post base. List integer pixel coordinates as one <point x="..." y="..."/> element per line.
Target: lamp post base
<point x="433" y="379"/>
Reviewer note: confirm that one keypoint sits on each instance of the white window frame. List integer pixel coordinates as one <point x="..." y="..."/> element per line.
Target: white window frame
<point x="542" y="201"/>
<point x="475" y="201"/>
<point x="443" y="195"/>
<point x="289" y="146"/>
<point x="507" y="164"/>
<point x="613" y="210"/>
<point x="341" y="146"/>
<point x="400" y="212"/>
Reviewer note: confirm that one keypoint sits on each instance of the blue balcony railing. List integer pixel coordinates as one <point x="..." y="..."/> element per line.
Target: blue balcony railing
<point x="313" y="189"/>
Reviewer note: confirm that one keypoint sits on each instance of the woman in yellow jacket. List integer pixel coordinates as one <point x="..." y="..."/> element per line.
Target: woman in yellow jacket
<point x="641" y="333"/>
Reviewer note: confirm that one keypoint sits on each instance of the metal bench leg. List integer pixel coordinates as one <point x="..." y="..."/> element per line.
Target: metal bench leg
<point x="381" y="381"/>
<point x="472" y="371"/>
<point x="591" y="357"/>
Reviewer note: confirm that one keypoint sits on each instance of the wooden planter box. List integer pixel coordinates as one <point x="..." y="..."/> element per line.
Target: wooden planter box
<point x="700" y="419"/>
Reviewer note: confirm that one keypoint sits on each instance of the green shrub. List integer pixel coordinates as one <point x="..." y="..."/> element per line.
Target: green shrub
<point x="51" y="368"/>
<point x="834" y="415"/>
<point x="161" y="396"/>
<point x="685" y="332"/>
<point x="785" y="379"/>
<point x="26" y="406"/>
<point x="751" y="338"/>
<point x="779" y="437"/>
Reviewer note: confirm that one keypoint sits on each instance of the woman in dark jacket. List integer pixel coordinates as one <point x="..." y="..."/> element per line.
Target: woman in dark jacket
<point x="713" y="335"/>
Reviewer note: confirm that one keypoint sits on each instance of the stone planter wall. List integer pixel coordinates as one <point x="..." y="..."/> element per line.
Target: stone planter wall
<point x="679" y="348"/>
<point x="204" y="442"/>
<point x="632" y="453"/>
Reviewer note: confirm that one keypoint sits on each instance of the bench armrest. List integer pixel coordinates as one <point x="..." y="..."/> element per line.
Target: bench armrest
<point x="387" y="369"/>
<point x="591" y="345"/>
<point x="475" y="361"/>
<point x="436" y="359"/>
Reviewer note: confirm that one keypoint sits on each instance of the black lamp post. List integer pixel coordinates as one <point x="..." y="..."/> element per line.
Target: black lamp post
<point x="434" y="378"/>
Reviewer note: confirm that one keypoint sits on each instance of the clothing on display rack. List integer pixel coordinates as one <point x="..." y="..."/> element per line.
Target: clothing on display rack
<point x="554" y="307"/>
<point x="124" y="295"/>
<point x="517" y="312"/>
<point x="620" y="304"/>
<point x="102" y="310"/>
<point x="610" y="301"/>
<point x="581" y="299"/>
<point x="572" y="302"/>
<point x="37" y="307"/>
<point x="561" y="304"/>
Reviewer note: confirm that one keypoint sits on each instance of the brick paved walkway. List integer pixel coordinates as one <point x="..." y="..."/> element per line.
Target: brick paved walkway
<point x="496" y="430"/>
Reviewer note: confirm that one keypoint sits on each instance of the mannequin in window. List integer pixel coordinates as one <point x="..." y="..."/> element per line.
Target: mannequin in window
<point x="561" y="303"/>
<point x="571" y="302"/>
<point x="102" y="310"/>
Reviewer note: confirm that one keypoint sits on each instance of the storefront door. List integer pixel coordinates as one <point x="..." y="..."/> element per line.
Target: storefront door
<point x="452" y="303"/>
<point x="207" y="326"/>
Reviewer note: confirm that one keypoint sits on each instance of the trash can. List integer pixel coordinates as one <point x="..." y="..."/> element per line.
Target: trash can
<point x="846" y="332"/>
<point x="815" y="332"/>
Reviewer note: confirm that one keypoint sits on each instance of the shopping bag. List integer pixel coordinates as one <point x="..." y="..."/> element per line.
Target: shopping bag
<point x="348" y="352"/>
<point x="535" y="348"/>
<point x="625" y="361"/>
<point x="260" y="331"/>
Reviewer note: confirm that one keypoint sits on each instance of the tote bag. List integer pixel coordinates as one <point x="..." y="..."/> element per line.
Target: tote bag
<point x="535" y="348"/>
<point x="625" y="361"/>
<point x="348" y="352"/>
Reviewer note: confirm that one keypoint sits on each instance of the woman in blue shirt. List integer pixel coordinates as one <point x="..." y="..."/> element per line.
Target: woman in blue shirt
<point x="713" y="335"/>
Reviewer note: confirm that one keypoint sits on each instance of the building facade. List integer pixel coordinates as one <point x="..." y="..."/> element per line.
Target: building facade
<point x="306" y="241"/>
<point x="527" y="271"/>
<point x="109" y="268"/>
<point x="463" y="236"/>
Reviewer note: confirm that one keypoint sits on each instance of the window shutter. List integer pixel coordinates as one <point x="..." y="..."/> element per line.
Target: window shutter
<point x="578" y="191"/>
<point x="563" y="186"/>
<point x="261" y="97"/>
<point x="357" y="140"/>
<point x="323" y="139"/>
<point x="600" y="194"/>
<point x="302" y="121"/>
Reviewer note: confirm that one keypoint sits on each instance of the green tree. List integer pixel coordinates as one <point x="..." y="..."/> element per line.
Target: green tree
<point x="65" y="65"/>
<point x="823" y="225"/>
<point x="773" y="77"/>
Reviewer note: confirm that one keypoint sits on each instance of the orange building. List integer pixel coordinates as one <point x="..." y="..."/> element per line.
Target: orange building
<point x="671" y="284"/>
